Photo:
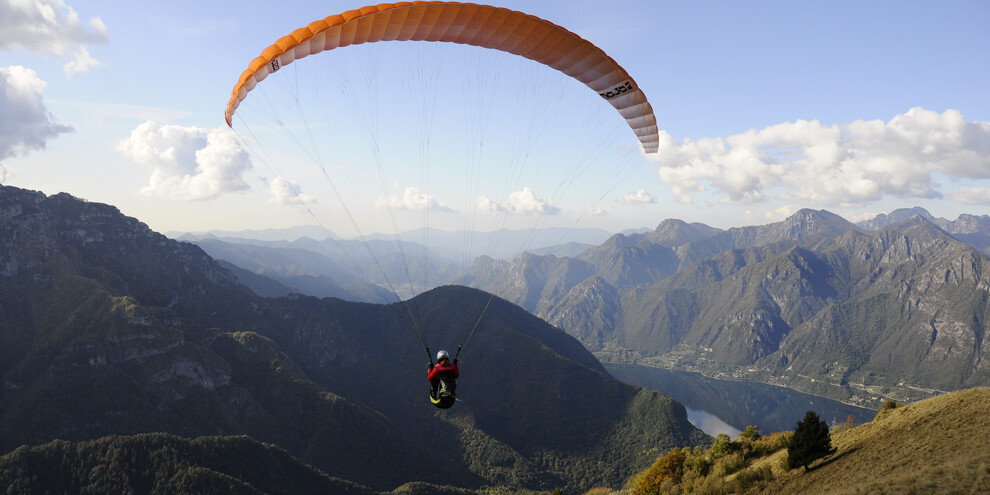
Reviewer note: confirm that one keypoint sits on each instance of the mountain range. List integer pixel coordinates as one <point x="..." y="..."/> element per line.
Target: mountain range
<point x="110" y="332"/>
<point x="894" y="306"/>
<point x="813" y="302"/>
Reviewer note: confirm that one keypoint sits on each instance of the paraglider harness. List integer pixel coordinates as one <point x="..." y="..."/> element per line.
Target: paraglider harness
<point x="443" y="389"/>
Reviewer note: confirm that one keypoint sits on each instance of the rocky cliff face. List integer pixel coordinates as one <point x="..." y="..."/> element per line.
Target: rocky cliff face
<point x="917" y="315"/>
<point x="855" y="316"/>
<point x="589" y="310"/>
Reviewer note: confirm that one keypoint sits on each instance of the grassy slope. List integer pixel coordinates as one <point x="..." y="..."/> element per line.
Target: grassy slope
<point x="937" y="445"/>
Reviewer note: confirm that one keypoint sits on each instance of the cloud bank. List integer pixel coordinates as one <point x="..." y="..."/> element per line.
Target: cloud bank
<point x="25" y="123"/>
<point x="50" y="26"/>
<point x="971" y="195"/>
<point x="522" y="202"/>
<point x="810" y="163"/>
<point x="189" y="163"/>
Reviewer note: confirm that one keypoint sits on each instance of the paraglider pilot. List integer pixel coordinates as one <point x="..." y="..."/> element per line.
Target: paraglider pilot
<point x="442" y="377"/>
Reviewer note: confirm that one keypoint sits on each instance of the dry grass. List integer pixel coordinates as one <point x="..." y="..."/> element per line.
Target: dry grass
<point x="936" y="446"/>
<point x="939" y="445"/>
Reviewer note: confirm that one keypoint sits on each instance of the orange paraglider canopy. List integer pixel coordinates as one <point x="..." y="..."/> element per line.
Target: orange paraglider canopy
<point x="465" y="23"/>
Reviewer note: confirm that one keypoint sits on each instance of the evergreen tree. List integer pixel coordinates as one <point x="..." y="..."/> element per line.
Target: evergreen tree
<point x="811" y="441"/>
<point x="752" y="432"/>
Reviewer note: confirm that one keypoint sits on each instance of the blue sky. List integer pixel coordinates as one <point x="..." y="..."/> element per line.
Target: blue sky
<point x="764" y="108"/>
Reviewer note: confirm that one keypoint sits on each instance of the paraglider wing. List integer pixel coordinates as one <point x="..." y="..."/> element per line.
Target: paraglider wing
<point x="478" y="25"/>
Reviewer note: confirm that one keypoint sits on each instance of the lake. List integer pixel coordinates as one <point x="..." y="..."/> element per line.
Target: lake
<point x="724" y="406"/>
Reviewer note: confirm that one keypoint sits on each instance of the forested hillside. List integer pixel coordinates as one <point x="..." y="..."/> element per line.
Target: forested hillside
<point x="164" y="464"/>
<point x="108" y="328"/>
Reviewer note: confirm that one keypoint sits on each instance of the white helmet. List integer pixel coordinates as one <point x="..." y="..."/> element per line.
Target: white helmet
<point x="442" y="355"/>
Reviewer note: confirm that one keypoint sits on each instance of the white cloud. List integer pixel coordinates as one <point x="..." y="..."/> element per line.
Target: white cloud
<point x="861" y="216"/>
<point x="523" y="202"/>
<point x="81" y="61"/>
<point x="25" y="123"/>
<point x="773" y="215"/>
<point x="50" y="26"/>
<point x="3" y="173"/>
<point x="484" y="203"/>
<point x="640" y="197"/>
<point x="810" y="163"/>
<point x="287" y="192"/>
<point x="595" y="211"/>
<point x="189" y="163"/>
<point x="412" y="199"/>
<point x="971" y="195"/>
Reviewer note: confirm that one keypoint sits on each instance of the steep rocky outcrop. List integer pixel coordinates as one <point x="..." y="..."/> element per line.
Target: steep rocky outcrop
<point x="898" y="311"/>
<point x="589" y="311"/>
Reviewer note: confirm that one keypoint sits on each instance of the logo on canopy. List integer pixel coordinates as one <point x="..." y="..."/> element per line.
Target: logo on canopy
<point x="619" y="90"/>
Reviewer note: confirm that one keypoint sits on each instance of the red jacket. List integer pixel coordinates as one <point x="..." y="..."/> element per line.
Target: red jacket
<point x="443" y="370"/>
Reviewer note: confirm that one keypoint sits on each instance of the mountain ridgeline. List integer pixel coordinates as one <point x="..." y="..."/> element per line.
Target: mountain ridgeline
<point x="110" y="329"/>
<point x="813" y="302"/>
<point x="894" y="306"/>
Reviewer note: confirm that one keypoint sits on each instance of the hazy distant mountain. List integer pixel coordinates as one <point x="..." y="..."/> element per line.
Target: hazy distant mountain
<point x="672" y="232"/>
<point x="449" y="245"/>
<point x="300" y="270"/>
<point x="899" y="215"/>
<point x="377" y="269"/>
<point x="259" y="284"/>
<point x="969" y="224"/>
<point x="107" y="328"/>
<point x="501" y="243"/>
<point x="571" y="250"/>
<point x="971" y="229"/>
<point x="277" y="234"/>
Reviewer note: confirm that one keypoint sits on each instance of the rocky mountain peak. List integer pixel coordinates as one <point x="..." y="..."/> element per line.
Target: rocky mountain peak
<point x="899" y="215"/>
<point x="817" y="221"/>
<point x="673" y="232"/>
<point x="804" y="226"/>
<point x="971" y="224"/>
